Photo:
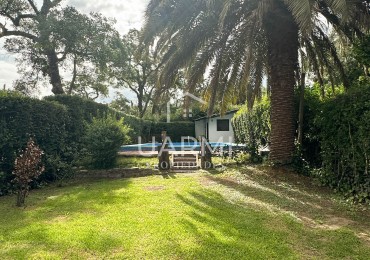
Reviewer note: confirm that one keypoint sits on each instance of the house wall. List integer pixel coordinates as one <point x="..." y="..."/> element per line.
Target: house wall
<point x="223" y="136"/>
<point x="200" y="128"/>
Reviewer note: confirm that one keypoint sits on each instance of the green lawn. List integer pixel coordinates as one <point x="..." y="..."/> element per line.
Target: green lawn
<point x="239" y="214"/>
<point x="140" y="162"/>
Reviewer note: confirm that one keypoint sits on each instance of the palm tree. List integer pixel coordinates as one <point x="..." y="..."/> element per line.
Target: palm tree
<point x="236" y="42"/>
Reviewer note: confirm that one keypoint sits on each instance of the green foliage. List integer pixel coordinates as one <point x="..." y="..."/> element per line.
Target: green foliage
<point x="80" y="112"/>
<point x="104" y="137"/>
<point x="361" y="51"/>
<point x="309" y="151"/>
<point x="83" y="110"/>
<point x="252" y="127"/>
<point x="242" y="157"/>
<point x="345" y="143"/>
<point x="140" y="73"/>
<point x="53" y="37"/>
<point x="139" y="162"/>
<point x="58" y="125"/>
<point x="22" y="118"/>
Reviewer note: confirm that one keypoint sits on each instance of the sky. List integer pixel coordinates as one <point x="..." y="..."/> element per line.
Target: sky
<point x="127" y="13"/>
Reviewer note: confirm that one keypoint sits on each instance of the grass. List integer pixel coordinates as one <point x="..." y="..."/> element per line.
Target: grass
<point x="139" y="162"/>
<point x="240" y="213"/>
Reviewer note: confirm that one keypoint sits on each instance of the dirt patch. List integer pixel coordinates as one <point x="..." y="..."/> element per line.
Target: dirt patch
<point x="206" y="182"/>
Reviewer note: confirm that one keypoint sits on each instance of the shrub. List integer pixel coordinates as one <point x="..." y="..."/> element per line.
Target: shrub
<point x="27" y="167"/>
<point x="22" y="118"/>
<point x="104" y="137"/>
<point x="345" y="143"/>
<point x="82" y="111"/>
<point x="252" y="126"/>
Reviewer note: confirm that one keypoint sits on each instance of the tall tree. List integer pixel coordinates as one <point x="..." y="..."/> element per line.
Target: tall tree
<point x="236" y="40"/>
<point x="139" y="74"/>
<point x="52" y="38"/>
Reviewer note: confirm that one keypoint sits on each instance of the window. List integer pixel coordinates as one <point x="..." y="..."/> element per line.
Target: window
<point x="223" y="125"/>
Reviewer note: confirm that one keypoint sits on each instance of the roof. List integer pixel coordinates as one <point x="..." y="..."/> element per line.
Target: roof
<point x="217" y="115"/>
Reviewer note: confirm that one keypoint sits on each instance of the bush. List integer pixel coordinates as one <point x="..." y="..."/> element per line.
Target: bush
<point x="252" y="127"/>
<point x="345" y="143"/>
<point x="104" y="137"/>
<point x="82" y="110"/>
<point x="22" y="118"/>
<point x="27" y="167"/>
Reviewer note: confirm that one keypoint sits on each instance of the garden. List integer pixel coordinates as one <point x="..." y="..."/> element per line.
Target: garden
<point x="85" y="168"/>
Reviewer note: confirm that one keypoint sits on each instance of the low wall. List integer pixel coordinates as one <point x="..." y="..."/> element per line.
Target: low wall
<point x="117" y="173"/>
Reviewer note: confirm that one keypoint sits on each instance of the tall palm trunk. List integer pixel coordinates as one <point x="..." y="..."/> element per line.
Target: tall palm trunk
<point x="282" y="38"/>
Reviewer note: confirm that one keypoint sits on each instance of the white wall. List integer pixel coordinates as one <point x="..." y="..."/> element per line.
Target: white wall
<point x="224" y="136"/>
<point x="200" y="128"/>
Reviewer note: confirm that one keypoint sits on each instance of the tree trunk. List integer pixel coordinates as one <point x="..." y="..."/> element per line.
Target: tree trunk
<point x="21" y="197"/>
<point x="282" y="38"/>
<point x="53" y="71"/>
<point x="140" y="106"/>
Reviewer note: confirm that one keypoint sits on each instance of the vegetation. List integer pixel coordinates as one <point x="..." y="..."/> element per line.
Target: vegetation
<point x="240" y="40"/>
<point x="27" y="167"/>
<point x="22" y="118"/>
<point x="59" y="125"/>
<point x="252" y="126"/>
<point x="315" y="117"/>
<point x="139" y="162"/>
<point x="238" y="213"/>
<point x="103" y="138"/>
<point x="139" y="75"/>
<point x="345" y="143"/>
<point x="51" y="37"/>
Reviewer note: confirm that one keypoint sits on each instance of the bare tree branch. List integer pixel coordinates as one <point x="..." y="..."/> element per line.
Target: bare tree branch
<point x="32" y="4"/>
<point x="4" y="32"/>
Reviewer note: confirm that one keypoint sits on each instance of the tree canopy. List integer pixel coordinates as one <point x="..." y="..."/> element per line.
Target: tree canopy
<point x="237" y="42"/>
<point x="52" y="38"/>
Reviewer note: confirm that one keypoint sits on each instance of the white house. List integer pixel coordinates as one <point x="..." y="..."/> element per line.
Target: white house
<point x="216" y="128"/>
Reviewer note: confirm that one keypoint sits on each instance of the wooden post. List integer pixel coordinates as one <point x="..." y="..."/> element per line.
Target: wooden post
<point x="163" y="154"/>
<point x="206" y="154"/>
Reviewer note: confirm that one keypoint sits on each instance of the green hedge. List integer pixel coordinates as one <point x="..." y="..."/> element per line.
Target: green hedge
<point x="345" y="143"/>
<point x="59" y="124"/>
<point x="22" y="117"/>
<point x="82" y="110"/>
<point x="252" y="126"/>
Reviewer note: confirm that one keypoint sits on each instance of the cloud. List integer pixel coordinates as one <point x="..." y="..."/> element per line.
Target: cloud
<point x="8" y="69"/>
<point x="128" y="14"/>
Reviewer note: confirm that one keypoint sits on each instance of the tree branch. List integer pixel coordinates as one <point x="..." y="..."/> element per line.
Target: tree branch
<point x="72" y="85"/>
<point x="32" y="4"/>
<point x="63" y="57"/>
<point x="4" y="32"/>
<point x="148" y="100"/>
<point x="18" y="19"/>
<point x="130" y="86"/>
<point x="55" y="3"/>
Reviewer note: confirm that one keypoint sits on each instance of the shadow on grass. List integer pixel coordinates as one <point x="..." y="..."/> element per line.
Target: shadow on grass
<point x="52" y="206"/>
<point x="286" y="192"/>
<point x="236" y="231"/>
<point x="229" y="231"/>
